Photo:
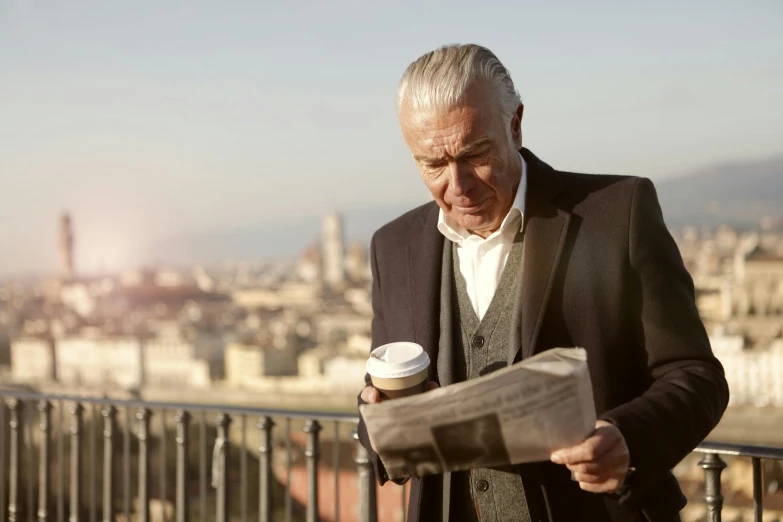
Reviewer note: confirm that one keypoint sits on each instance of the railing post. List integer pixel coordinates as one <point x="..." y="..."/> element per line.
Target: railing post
<point x="182" y="418"/>
<point x="44" y="408"/>
<point x="220" y="467"/>
<point x="3" y="485"/>
<point x="312" y="428"/>
<point x="143" y="416"/>
<point x="15" y="408"/>
<point x="368" y="494"/>
<point x="758" y="500"/>
<point x="109" y="414"/>
<point x="77" y="422"/>
<point x="713" y="466"/>
<point x="265" y="470"/>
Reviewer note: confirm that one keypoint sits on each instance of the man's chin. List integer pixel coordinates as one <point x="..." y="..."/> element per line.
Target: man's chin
<point x="475" y="223"/>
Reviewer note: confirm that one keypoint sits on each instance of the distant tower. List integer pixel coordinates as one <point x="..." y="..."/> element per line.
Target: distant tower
<point x="333" y="252"/>
<point x="67" y="270"/>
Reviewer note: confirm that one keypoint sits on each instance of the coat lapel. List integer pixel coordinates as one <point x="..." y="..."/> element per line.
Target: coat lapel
<point x="546" y="229"/>
<point x="424" y="269"/>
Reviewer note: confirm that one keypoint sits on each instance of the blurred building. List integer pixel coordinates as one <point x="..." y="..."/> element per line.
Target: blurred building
<point x="333" y="251"/>
<point x="248" y="361"/>
<point x="100" y="360"/>
<point x="754" y="375"/>
<point x="334" y="326"/>
<point x="33" y="359"/>
<point x="174" y="358"/>
<point x="113" y="360"/>
<point x="292" y="294"/>
<point x="67" y="268"/>
<point x="249" y="323"/>
<point x="357" y="264"/>
<point x="334" y="369"/>
<point x="78" y="296"/>
<point x="738" y="278"/>
<point x="310" y="266"/>
<point x="760" y="284"/>
<point x="358" y="344"/>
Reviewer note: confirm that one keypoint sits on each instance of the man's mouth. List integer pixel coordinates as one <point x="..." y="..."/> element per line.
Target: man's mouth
<point x="470" y="207"/>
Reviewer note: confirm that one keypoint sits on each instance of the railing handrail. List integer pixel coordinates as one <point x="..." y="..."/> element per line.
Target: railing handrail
<point x="12" y="399"/>
<point x="719" y="448"/>
<point x="741" y="450"/>
<point x="186" y="406"/>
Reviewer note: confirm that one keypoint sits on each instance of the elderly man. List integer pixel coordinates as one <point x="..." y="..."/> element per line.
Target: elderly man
<point x="514" y="257"/>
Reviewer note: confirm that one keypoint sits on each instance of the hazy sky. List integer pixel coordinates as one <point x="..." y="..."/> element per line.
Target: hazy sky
<point x="152" y="119"/>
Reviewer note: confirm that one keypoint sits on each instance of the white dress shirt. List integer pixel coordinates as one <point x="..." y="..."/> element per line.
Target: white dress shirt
<point x="481" y="261"/>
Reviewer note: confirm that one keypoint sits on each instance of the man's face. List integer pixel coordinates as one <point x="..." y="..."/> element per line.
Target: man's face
<point x="468" y="158"/>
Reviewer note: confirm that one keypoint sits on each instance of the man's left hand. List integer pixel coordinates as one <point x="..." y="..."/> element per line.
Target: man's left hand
<point x="600" y="463"/>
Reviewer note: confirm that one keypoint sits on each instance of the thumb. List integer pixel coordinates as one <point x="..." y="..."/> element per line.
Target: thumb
<point x="432" y="386"/>
<point x="370" y="395"/>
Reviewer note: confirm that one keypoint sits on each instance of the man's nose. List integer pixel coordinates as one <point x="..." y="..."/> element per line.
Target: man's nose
<point x="461" y="178"/>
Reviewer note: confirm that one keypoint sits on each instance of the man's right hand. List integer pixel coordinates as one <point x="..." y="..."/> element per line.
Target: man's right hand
<point x="371" y="396"/>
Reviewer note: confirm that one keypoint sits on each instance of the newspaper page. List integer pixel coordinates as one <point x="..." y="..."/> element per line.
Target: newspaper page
<point x="515" y="415"/>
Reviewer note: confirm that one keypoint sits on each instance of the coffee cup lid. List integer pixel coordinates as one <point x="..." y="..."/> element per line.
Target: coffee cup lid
<point x="397" y="360"/>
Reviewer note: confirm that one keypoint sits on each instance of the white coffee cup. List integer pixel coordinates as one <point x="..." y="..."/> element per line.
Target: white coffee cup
<point x="399" y="369"/>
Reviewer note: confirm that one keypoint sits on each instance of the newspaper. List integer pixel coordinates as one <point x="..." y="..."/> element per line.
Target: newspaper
<point x="515" y="415"/>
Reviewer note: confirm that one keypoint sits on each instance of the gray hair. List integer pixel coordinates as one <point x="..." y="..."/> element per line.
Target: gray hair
<point x="440" y="79"/>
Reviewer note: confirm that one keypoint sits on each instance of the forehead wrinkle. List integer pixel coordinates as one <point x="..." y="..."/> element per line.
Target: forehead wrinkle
<point x="448" y="140"/>
<point x="458" y="148"/>
<point x="435" y="135"/>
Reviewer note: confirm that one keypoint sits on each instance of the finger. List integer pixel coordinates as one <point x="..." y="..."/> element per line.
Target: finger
<point x="588" y="478"/>
<point x="594" y="468"/>
<point x="614" y="459"/>
<point x="617" y="473"/>
<point x="370" y="395"/>
<point x="432" y="386"/>
<point x="608" y="486"/>
<point x="595" y="446"/>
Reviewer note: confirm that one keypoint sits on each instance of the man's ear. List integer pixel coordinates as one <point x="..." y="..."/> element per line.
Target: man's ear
<point x="516" y="126"/>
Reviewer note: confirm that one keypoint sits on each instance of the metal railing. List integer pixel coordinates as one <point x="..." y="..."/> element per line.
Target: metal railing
<point x="713" y="465"/>
<point x="20" y="411"/>
<point x="130" y="423"/>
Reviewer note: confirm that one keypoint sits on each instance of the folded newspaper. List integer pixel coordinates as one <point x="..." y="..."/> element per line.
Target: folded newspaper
<point x="515" y="415"/>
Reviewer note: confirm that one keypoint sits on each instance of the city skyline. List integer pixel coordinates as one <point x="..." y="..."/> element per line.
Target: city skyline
<point x="715" y="198"/>
<point x="150" y="122"/>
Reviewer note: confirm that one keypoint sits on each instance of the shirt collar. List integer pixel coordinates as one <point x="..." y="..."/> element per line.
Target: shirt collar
<point x="453" y="232"/>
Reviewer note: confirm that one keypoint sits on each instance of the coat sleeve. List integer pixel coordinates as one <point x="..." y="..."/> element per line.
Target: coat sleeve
<point x="379" y="337"/>
<point x="689" y="392"/>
